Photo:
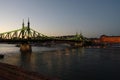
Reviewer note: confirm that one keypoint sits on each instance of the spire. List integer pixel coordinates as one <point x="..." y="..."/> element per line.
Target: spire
<point x="28" y="19"/>
<point x="23" y="24"/>
<point x="28" y="29"/>
<point x="28" y="23"/>
<point x="23" y="29"/>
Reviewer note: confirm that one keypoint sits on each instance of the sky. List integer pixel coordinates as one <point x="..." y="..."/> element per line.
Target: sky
<point x="92" y="18"/>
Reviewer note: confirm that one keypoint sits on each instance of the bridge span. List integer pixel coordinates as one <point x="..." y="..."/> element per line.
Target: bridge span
<point x="28" y="35"/>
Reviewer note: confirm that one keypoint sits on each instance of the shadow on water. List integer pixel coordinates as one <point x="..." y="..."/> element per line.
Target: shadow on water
<point x="25" y="59"/>
<point x="28" y="61"/>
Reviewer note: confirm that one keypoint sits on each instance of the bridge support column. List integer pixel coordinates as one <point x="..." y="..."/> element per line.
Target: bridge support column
<point x="25" y="47"/>
<point x="77" y="44"/>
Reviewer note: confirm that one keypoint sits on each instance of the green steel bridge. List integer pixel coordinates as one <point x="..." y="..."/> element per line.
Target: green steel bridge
<point x="28" y="34"/>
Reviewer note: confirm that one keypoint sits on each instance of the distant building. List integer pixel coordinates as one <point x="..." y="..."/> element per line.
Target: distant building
<point x="109" y="39"/>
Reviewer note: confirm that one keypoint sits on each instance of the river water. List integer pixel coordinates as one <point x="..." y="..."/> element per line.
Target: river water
<point x="67" y="63"/>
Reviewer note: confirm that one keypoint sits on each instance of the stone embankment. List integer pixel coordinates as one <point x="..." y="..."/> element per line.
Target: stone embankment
<point x="10" y="72"/>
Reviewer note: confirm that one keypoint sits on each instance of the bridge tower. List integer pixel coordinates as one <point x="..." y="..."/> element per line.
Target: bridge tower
<point x="28" y="29"/>
<point x="23" y="24"/>
<point x="23" y="29"/>
<point x="26" y="47"/>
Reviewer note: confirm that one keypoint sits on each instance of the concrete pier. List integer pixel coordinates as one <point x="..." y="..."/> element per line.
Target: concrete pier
<point x="25" y="47"/>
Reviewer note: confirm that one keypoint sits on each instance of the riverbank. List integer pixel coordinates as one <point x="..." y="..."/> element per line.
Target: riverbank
<point x="10" y="72"/>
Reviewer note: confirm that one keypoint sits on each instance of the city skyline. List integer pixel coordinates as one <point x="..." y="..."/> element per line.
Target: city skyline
<point x="92" y="18"/>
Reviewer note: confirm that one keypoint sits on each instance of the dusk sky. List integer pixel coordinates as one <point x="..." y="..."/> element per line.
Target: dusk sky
<point x="92" y="18"/>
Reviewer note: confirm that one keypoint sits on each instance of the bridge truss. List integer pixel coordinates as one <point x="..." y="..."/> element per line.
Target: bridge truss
<point x="25" y="33"/>
<point x="28" y="34"/>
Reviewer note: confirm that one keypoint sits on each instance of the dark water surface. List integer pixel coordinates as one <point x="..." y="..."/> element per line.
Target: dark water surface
<point x="67" y="63"/>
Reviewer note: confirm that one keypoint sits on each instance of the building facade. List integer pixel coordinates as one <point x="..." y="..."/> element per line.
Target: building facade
<point x="109" y="39"/>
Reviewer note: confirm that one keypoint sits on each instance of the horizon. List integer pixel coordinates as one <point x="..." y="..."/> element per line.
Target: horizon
<point x="63" y="17"/>
<point x="59" y="35"/>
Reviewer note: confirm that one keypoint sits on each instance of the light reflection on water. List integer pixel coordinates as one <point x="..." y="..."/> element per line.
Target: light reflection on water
<point x="68" y="63"/>
<point x="5" y="48"/>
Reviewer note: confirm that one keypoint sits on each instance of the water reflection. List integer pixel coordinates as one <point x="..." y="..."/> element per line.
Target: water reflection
<point x="28" y="61"/>
<point x="26" y="57"/>
<point x="58" y="62"/>
<point x="50" y="61"/>
<point x="72" y="63"/>
<point x="69" y="63"/>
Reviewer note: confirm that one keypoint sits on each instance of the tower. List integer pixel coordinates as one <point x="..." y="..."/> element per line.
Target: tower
<point x="23" y="29"/>
<point x="28" y="24"/>
<point x="28" y="29"/>
<point x="23" y="24"/>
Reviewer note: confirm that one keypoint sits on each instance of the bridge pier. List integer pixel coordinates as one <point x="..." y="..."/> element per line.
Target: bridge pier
<point x="76" y="44"/>
<point x="25" y="47"/>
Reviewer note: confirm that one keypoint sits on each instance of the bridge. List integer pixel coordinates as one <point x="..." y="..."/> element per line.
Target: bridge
<point x="23" y="34"/>
<point x="26" y="34"/>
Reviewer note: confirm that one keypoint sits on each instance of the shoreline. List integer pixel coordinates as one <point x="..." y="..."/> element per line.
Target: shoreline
<point x="11" y="72"/>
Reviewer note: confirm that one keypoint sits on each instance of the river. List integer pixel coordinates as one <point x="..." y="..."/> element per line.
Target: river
<point x="66" y="63"/>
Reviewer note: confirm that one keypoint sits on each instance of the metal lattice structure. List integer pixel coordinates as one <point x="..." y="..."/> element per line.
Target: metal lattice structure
<point x="28" y="34"/>
<point x="24" y="33"/>
<point x="77" y="37"/>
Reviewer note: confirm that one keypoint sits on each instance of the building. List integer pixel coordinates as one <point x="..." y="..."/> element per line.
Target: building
<point x="109" y="39"/>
